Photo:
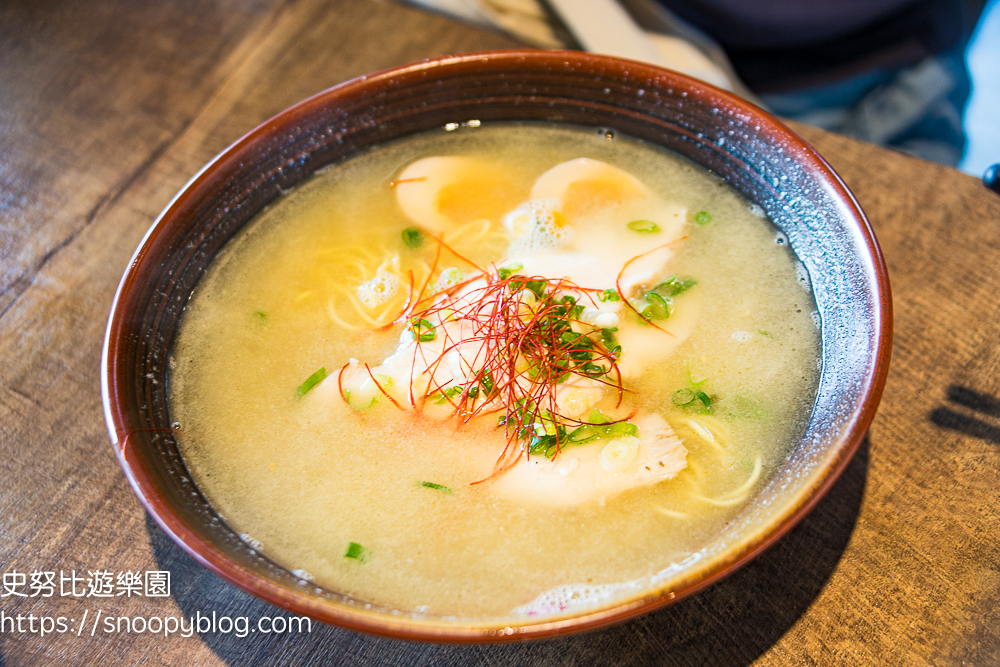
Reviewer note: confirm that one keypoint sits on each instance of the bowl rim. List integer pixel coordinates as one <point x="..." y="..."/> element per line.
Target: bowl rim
<point x="826" y="472"/>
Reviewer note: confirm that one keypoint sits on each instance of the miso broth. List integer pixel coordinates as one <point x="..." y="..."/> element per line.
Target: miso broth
<point x="385" y="499"/>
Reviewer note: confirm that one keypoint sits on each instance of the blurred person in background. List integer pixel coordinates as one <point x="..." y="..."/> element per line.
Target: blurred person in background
<point x="891" y="72"/>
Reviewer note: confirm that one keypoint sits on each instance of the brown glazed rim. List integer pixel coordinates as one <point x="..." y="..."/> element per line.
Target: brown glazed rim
<point x="116" y="392"/>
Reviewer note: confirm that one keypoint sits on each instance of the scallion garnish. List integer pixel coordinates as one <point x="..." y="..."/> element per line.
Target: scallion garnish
<point x="542" y="444"/>
<point x="621" y="429"/>
<point x="659" y="307"/>
<point x="436" y="487"/>
<point x="702" y="217"/>
<point x="693" y="397"/>
<point x="674" y="286"/>
<point x="413" y="237"/>
<point x="570" y="336"/>
<point x="450" y="392"/>
<point x="683" y="397"/>
<point x="310" y="382"/>
<point x="705" y="400"/>
<point x="598" y="417"/>
<point x="486" y="381"/>
<point x="356" y="552"/>
<point x="427" y="335"/>
<point x="643" y="226"/>
<point x="584" y="434"/>
<point x="537" y="286"/>
<point x="608" y="295"/>
<point x="694" y="383"/>
<point x="260" y="316"/>
<point x="509" y="270"/>
<point x="609" y="339"/>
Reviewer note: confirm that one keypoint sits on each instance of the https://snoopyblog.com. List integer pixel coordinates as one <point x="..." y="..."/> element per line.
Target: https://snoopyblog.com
<point x="98" y="584"/>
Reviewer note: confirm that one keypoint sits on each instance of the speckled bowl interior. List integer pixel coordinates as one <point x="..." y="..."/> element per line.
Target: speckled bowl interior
<point x="751" y="150"/>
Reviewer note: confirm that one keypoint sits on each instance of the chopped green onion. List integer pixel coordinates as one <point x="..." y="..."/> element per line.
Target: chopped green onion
<point x="542" y="444"/>
<point x="356" y="551"/>
<point x="509" y="270"/>
<point x="436" y="487"/>
<point x="413" y="237"/>
<point x="673" y="286"/>
<point x="598" y="417"/>
<point x="260" y="316"/>
<point x="487" y="383"/>
<point x="644" y="226"/>
<point x="702" y="217"/>
<point x="427" y="335"/>
<point x="547" y="423"/>
<point x="360" y="408"/>
<point x="694" y="383"/>
<point x="660" y="307"/>
<point x="583" y="435"/>
<point x="621" y="429"/>
<point x="765" y="333"/>
<point x="450" y="392"/>
<point x="688" y="399"/>
<point x="310" y="382"/>
<point x="667" y="282"/>
<point x="611" y="341"/>
<point x="570" y="336"/>
<point x="683" y="397"/>
<point x="609" y="295"/>
<point x="537" y="286"/>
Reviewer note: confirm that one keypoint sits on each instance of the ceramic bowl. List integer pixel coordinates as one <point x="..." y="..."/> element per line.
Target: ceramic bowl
<point x="751" y="150"/>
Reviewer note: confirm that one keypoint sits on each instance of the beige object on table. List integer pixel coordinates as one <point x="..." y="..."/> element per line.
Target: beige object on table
<point x="636" y="29"/>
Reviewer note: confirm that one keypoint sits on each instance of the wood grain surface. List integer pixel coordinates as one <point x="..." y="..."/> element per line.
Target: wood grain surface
<point x="107" y="107"/>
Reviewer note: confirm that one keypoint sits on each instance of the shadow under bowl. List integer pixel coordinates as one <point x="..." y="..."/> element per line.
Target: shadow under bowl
<point x="757" y="155"/>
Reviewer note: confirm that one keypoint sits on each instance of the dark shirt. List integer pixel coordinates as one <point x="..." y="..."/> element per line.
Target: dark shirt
<point x="779" y="45"/>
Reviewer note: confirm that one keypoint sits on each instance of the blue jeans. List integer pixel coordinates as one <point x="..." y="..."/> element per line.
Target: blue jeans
<point x="916" y="110"/>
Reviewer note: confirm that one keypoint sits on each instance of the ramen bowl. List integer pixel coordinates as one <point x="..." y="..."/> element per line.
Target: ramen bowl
<point x="753" y="152"/>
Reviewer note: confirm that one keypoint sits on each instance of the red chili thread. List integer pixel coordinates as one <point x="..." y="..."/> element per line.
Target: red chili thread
<point x="499" y="317"/>
<point x="340" y="382"/>
<point x="417" y="179"/>
<point x="384" y="392"/>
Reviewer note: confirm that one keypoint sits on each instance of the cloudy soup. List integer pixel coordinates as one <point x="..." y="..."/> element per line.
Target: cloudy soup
<point x="508" y="370"/>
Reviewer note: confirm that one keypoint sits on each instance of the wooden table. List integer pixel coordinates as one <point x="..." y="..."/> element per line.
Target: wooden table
<point x="107" y="107"/>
